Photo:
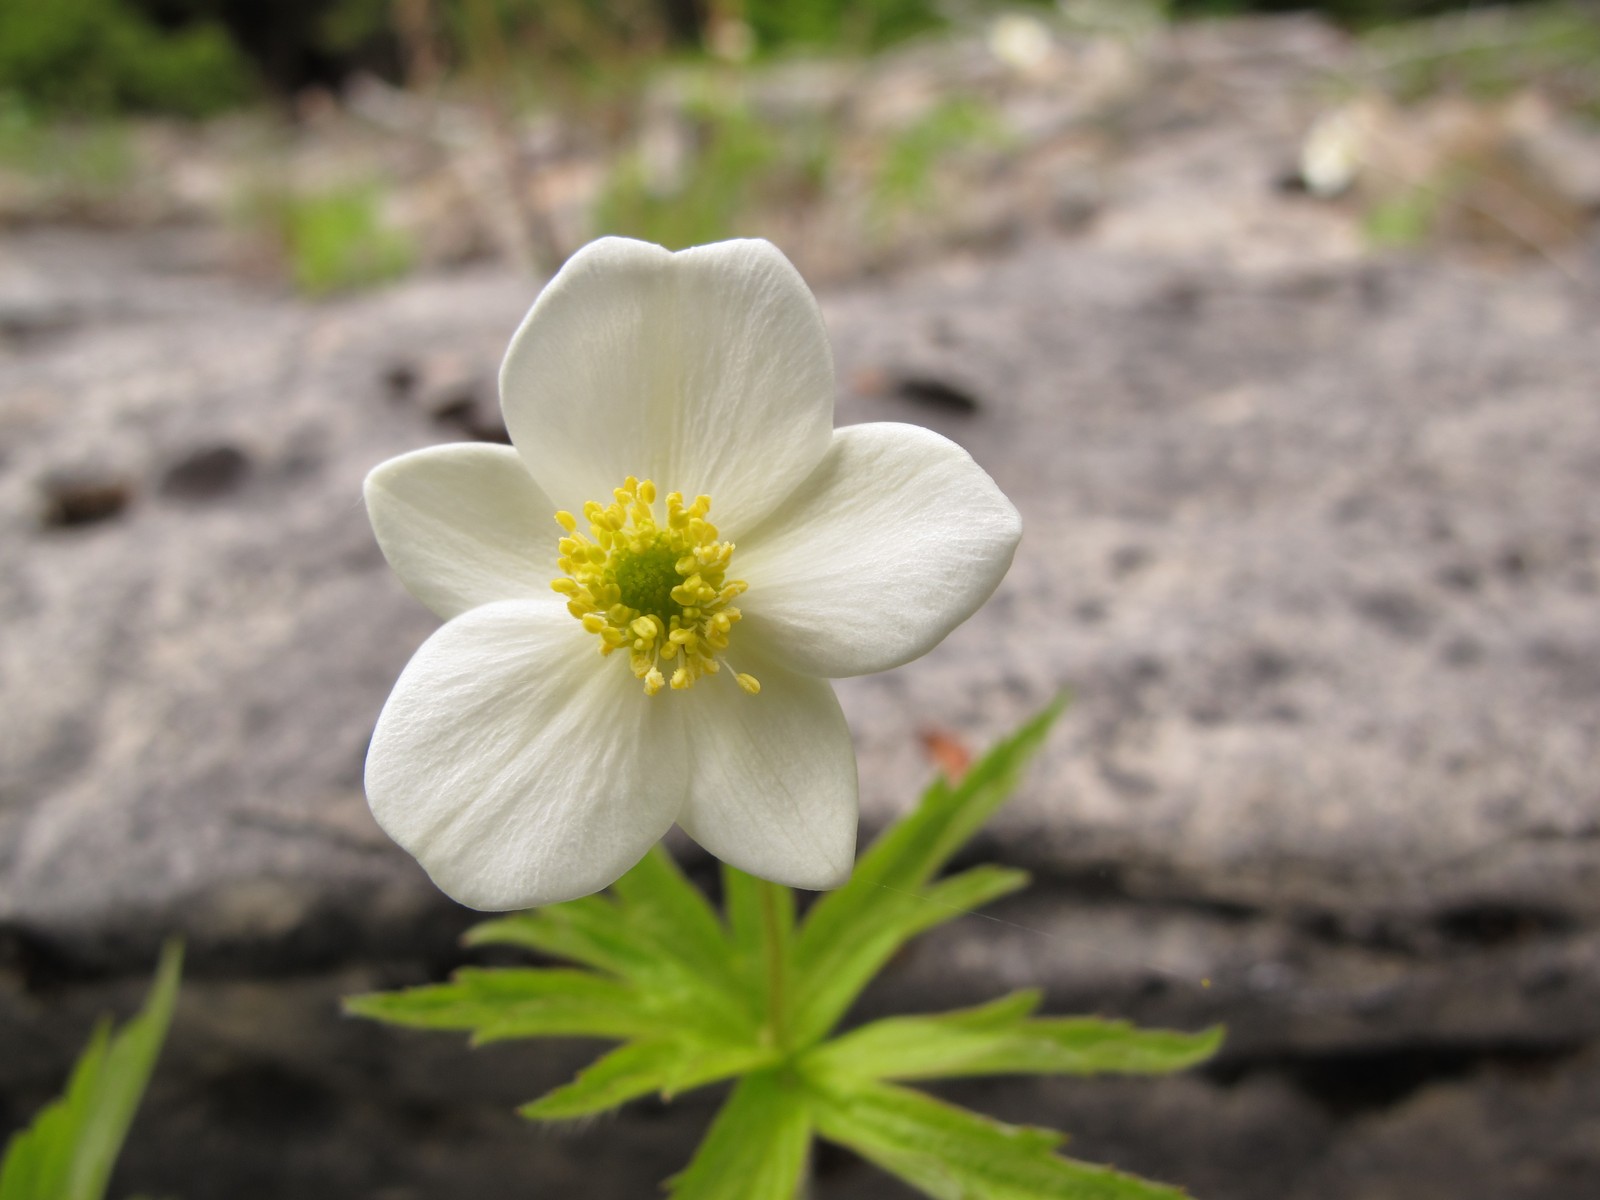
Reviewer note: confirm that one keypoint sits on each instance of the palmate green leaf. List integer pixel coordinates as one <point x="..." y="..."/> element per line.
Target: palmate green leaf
<point x="1000" y="1039"/>
<point x="695" y="998"/>
<point x="661" y="1068"/>
<point x="757" y="1146"/>
<point x="952" y="1154"/>
<point x="70" y="1149"/>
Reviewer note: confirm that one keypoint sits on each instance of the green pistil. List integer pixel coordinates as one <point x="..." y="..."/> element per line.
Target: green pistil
<point x="646" y="580"/>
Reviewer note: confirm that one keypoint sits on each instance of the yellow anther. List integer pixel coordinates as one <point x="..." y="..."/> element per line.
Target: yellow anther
<point x="657" y="589"/>
<point x="749" y="683"/>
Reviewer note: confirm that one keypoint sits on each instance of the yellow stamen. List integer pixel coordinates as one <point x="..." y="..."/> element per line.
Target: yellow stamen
<point x="658" y="590"/>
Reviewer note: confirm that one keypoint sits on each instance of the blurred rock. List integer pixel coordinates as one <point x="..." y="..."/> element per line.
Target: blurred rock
<point x="1312" y="536"/>
<point x="1266" y="513"/>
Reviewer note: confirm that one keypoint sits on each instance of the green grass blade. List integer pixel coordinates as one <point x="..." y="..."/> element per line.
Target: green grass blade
<point x="756" y="1148"/>
<point x="69" y="1151"/>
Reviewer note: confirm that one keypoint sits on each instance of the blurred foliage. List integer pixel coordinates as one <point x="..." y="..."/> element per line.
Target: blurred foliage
<point x="1491" y="54"/>
<point x="1362" y="14"/>
<point x="195" y="57"/>
<point x="99" y="56"/>
<point x="1402" y="222"/>
<point x="75" y="163"/>
<point x="905" y="177"/>
<point x="69" y="1151"/>
<point x="733" y="161"/>
<point x="854" y="24"/>
<point x="333" y="240"/>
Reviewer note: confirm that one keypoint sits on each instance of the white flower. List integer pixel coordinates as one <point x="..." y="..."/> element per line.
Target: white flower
<point x="520" y="759"/>
<point x="1022" y="42"/>
<point x="1331" y="155"/>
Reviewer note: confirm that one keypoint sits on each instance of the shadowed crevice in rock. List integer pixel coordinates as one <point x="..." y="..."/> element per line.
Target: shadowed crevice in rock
<point x="206" y="474"/>
<point x="76" y="498"/>
<point x="1350" y="1085"/>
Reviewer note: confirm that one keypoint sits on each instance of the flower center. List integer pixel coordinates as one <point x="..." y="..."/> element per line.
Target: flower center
<point x="660" y="591"/>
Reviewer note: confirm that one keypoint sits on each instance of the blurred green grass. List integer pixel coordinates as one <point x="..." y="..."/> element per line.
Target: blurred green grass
<point x="198" y="57"/>
<point x="334" y="239"/>
<point x="608" y="76"/>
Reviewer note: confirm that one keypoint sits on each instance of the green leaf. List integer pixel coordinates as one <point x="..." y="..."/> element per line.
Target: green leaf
<point x="952" y="1154"/>
<point x="887" y="886"/>
<point x="582" y="931"/>
<point x="837" y="972"/>
<point x="595" y="931"/>
<point x="1000" y="1039"/>
<point x="913" y="850"/>
<point x="656" y="896"/>
<point x="664" y="1068"/>
<point x="756" y="1148"/>
<point x="658" y="933"/>
<point x="70" y="1149"/>
<point x="520" y="1002"/>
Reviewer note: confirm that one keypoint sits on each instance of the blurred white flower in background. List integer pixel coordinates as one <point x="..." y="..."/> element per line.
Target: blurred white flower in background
<point x="589" y="689"/>
<point x="1022" y="42"/>
<point x="1332" y="153"/>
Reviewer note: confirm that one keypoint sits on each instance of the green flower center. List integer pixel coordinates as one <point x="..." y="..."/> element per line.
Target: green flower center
<point x="645" y="578"/>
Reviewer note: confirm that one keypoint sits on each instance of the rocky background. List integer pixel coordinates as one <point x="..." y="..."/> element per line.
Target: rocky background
<point x="1313" y="534"/>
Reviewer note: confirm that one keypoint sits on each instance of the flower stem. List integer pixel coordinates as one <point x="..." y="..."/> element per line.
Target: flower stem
<point x="775" y="944"/>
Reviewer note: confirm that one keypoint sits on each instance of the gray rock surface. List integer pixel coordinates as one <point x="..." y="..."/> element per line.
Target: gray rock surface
<point x="1313" y="537"/>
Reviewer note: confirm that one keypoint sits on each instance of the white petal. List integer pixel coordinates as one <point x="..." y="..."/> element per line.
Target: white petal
<point x="464" y="525"/>
<point x="518" y="766"/>
<point x="706" y="371"/>
<point x="772" y="785"/>
<point x="896" y="539"/>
